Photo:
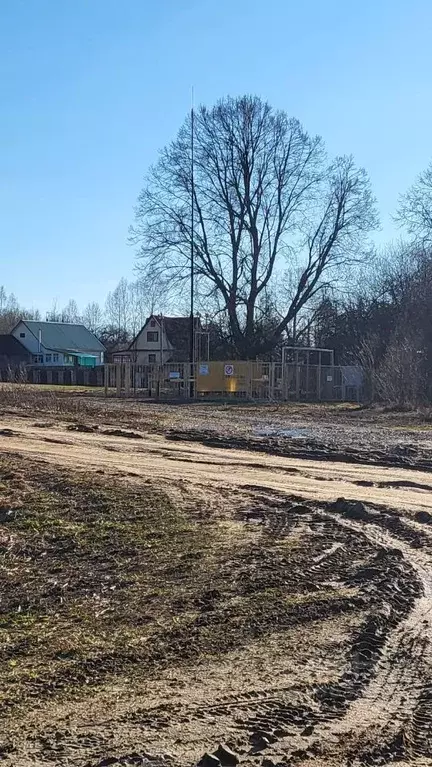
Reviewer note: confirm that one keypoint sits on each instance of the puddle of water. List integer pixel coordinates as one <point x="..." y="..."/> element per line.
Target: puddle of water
<point x="276" y="431"/>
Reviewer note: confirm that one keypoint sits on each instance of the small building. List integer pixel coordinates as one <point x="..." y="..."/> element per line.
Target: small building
<point x="12" y="353"/>
<point x="59" y="343"/>
<point x="160" y="340"/>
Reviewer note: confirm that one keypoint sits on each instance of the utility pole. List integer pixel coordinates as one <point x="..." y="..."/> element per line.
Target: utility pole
<point x="192" y="321"/>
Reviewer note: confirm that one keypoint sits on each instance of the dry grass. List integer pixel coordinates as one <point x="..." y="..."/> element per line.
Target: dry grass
<point x="99" y="577"/>
<point x="77" y="404"/>
<point x="88" y="574"/>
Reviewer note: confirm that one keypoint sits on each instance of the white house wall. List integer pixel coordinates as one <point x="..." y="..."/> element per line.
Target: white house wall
<point x="141" y="348"/>
<point x="29" y="341"/>
<point x="52" y="362"/>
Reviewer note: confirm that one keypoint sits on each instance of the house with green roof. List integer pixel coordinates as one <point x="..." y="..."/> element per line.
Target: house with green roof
<point x="59" y="343"/>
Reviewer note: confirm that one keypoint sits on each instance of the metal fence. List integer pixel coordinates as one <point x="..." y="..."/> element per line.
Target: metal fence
<point x="235" y="380"/>
<point x="55" y="375"/>
<point x="227" y="380"/>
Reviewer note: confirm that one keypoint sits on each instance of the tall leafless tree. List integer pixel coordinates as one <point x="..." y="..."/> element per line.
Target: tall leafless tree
<point x="93" y="317"/>
<point x="415" y="208"/>
<point x="117" y="306"/>
<point x="265" y="200"/>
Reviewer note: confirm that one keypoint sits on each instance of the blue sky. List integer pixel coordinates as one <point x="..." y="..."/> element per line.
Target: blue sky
<point x="91" y="89"/>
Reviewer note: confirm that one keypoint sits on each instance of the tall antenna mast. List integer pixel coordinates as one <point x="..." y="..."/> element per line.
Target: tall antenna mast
<point x="192" y="275"/>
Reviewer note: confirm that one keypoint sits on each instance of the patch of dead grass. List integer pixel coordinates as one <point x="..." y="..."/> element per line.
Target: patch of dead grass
<point x="100" y="579"/>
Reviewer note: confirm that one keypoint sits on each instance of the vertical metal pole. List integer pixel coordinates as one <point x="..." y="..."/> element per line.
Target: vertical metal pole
<point x="161" y="331"/>
<point x="284" y="387"/>
<point x="192" y="328"/>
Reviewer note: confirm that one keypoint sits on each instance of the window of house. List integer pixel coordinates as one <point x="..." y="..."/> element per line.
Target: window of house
<point x="37" y="359"/>
<point x="152" y="358"/>
<point x="55" y="357"/>
<point x="48" y="357"/>
<point x="152" y="336"/>
<point x="152" y="323"/>
<point x="22" y="335"/>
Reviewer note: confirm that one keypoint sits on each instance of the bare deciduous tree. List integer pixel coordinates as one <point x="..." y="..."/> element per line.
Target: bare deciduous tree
<point x="265" y="198"/>
<point x="93" y="317"/>
<point x="70" y="312"/>
<point x="11" y="312"/>
<point x="415" y="208"/>
<point x="117" y="306"/>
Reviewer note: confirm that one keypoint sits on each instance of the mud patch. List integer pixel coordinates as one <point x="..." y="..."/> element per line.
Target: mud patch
<point x="423" y="517"/>
<point x="122" y="433"/>
<point x="397" y="483"/>
<point x="399" y="456"/>
<point x="82" y="427"/>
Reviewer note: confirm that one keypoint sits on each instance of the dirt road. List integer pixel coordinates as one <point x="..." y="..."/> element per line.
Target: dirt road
<point x="365" y="702"/>
<point x="154" y="456"/>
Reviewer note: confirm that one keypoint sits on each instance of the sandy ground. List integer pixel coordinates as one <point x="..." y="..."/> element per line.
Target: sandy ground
<point x="154" y="456"/>
<point x="374" y="704"/>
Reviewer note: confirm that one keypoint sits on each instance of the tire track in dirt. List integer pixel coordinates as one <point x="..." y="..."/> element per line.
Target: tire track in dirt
<point x="396" y="694"/>
<point x="383" y="687"/>
<point x="289" y="721"/>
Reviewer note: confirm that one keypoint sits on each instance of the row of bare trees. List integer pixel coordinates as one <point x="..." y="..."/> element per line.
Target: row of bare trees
<point x="11" y="311"/>
<point x="116" y="322"/>
<point x="385" y="324"/>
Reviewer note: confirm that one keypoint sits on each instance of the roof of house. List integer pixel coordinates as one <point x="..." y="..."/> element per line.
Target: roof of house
<point x="65" y="336"/>
<point x="178" y="330"/>
<point x="11" y="347"/>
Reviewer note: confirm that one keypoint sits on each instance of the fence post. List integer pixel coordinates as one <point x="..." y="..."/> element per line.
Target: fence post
<point x="297" y="376"/>
<point x="272" y="378"/>
<point x="118" y="379"/>
<point x="106" y="373"/>
<point x="250" y="379"/>
<point x="127" y="379"/>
